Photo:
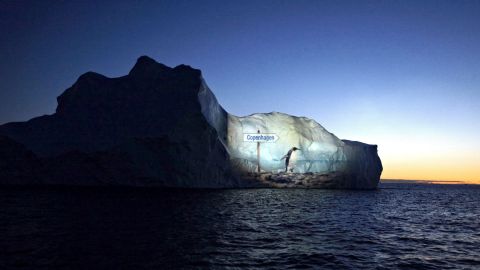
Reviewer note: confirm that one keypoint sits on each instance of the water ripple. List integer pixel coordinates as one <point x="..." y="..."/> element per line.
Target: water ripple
<point x="396" y="227"/>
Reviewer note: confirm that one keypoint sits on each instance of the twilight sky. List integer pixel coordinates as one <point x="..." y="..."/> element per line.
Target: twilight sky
<point x="401" y="74"/>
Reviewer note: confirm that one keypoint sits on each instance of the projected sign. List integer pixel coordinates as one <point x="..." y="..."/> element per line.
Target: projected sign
<point x="260" y="137"/>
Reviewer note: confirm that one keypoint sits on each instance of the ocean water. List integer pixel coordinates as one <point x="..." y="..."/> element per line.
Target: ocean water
<point x="399" y="226"/>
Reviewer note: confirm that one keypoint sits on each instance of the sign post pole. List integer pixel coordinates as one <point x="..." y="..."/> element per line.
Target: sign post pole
<point x="258" y="154"/>
<point x="260" y="138"/>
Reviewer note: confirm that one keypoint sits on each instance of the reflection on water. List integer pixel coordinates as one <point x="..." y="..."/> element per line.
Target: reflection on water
<point x="400" y="225"/>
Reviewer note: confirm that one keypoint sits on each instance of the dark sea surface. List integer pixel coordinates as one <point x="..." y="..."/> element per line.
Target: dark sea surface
<point x="404" y="226"/>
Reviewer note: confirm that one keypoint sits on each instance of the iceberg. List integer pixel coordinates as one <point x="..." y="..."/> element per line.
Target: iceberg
<point x="163" y="126"/>
<point x="321" y="151"/>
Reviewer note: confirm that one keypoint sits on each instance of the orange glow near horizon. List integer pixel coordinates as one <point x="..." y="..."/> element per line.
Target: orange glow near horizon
<point x="430" y="172"/>
<point x="416" y="155"/>
<point x="463" y="167"/>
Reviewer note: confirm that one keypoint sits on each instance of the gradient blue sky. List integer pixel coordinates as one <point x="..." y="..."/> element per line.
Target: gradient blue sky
<point x="401" y="74"/>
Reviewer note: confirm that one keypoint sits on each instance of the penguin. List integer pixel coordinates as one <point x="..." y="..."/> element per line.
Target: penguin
<point x="287" y="157"/>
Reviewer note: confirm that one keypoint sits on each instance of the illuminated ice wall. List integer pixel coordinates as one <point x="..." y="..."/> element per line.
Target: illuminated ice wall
<point x="319" y="148"/>
<point x="321" y="151"/>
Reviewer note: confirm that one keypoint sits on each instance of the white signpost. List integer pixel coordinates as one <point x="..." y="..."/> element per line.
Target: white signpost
<point x="260" y="138"/>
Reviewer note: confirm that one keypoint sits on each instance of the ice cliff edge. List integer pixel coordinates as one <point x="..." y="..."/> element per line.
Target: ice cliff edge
<point x="162" y="126"/>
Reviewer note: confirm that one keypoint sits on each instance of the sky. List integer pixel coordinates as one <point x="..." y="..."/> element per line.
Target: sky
<point x="404" y="75"/>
